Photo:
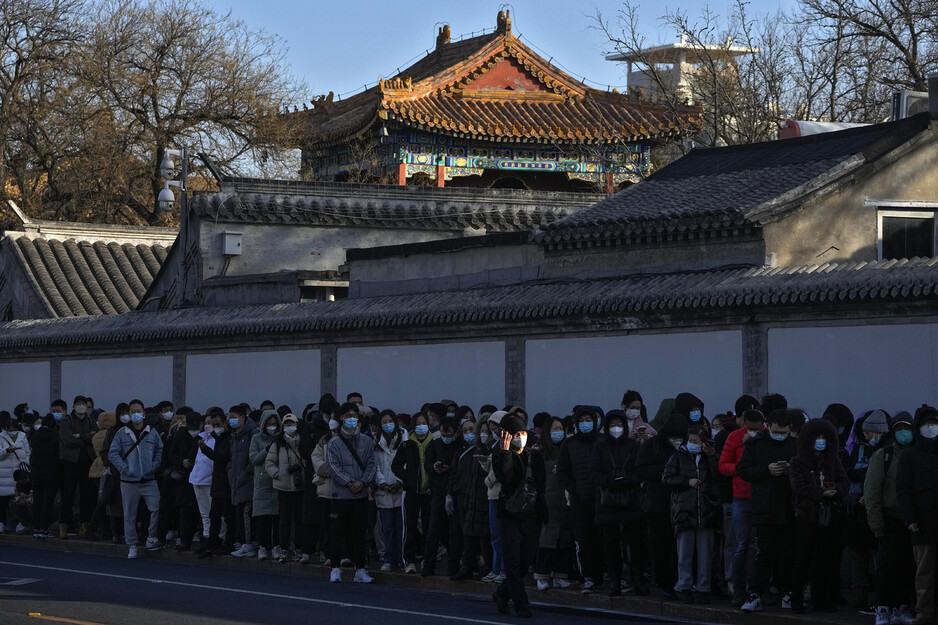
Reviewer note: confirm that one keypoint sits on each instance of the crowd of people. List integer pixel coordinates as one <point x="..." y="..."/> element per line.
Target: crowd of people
<point x="761" y="505"/>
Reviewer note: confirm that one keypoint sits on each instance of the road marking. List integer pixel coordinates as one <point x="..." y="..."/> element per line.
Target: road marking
<point x="17" y="582"/>
<point x="341" y="604"/>
<point x="59" y="619"/>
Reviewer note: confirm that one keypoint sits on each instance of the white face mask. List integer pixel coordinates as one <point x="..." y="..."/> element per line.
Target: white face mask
<point x="219" y="430"/>
<point x="484" y="437"/>
<point x="125" y="418"/>
<point x="519" y="442"/>
<point x="193" y="433"/>
<point x="289" y="430"/>
<point x="675" y="442"/>
<point x="37" y="425"/>
<point x="271" y="429"/>
<point x="333" y="425"/>
<point x="616" y="432"/>
<point x="633" y="413"/>
<point x="929" y="430"/>
<point x="167" y="416"/>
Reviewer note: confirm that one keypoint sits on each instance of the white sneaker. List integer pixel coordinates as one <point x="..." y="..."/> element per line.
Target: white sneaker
<point x="336" y="575"/>
<point x="239" y="552"/>
<point x="248" y="550"/>
<point x="387" y="566"/>
<point x="3" y="528"/>
<point x="153" y="544"/>
<point x="489" y="578"/>
<point x="262" y="553"/>
<point x="20" y="528"/>
<point x="132" y="552"/>
<point x="500" y="578"/>
<point x="171" y="535"/>
<point x="543" y="584"/>
<point x="786" y="602"/>
<point x="883" y="615"/>
<point x="411" y="568"/>
<point x="587" y="587"/>
<point x="561" y="582"/>
<point x="276" y="552"/>
<point x="753" y="605"/>
<point x="362" y="577"/>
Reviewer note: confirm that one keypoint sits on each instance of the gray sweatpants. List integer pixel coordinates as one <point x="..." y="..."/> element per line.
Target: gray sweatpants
<point x="132" y="492"/>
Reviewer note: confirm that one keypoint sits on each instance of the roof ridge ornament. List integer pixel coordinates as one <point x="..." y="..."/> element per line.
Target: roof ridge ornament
<point x="503" y="24"/>
<point x="443" y="37"/>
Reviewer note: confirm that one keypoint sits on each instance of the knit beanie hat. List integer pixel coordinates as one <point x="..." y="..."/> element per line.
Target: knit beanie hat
<point x="512" y="424"/>
<point x="877" y="421"/>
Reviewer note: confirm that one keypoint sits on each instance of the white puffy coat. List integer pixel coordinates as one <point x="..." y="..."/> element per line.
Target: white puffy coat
<point x="10" y="461"/>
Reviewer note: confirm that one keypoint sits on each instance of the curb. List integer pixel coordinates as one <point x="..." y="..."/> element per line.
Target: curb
<point x="565" y="600"/>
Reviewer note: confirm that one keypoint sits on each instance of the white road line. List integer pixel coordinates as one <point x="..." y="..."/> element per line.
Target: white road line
<point x="340" y="604"/>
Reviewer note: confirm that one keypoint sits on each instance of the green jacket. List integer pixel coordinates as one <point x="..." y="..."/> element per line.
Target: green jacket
<point x="879" y="489"/>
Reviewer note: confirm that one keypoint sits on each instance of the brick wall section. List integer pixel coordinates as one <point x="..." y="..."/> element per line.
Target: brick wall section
<point x="55" y="381"/>
<point x="514" y="371"/>
<point x="755" y="359"/>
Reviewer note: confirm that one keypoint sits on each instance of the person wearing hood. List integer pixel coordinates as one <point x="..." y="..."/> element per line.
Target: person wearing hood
<point x="106" y="420"/>
<point x="389" y="488"/>
<point x="135" y="454"/>
<point x="653" y="457"/>
<point x="894" y="564"/>
<point x="687" y="475"/>
<point x="818" y="485"/>
<point x="618" y="507"/>
<point x="351" y="459"/>
<point x="489" y="436"/>
<point x="692" y="407"/>
<point x="842" y="419"/>
<point x="636" y="416"/>
<point x="409" y="466"/>
<point x="14" y="453"/>
<point x="241" y="478"/>
<point x="76" y="454"/>
<point x="521" y="509"/>
<point x="555" y="544"/>
<point x="764" y="464"/>
<point x="284" y="464"/>
<point x="322" y="480"/>
<point x="873" y="431"/>
<point x="221" y="507"/>
<point x="468" y="500"/>
<point x="917" y="492"/>
<point x="573" y="469"/>
<point x="181" y="452"/>
<point x="753" y="425"/>
<point x="264" y="503"/>
<point x="439" y="464"/>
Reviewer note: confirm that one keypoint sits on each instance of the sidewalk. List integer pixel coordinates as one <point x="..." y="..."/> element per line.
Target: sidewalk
<point x="652" y="606"/>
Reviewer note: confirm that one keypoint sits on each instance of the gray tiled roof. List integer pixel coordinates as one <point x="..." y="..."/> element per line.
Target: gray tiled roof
<point x="730" y="186"/>
<point x="386" y="206"/>
<point x="886" y="281"/>
<point x="88" y="278"/>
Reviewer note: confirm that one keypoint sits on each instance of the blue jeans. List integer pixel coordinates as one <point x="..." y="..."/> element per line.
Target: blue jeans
<point x="742" y="528"/>
<point x="498" y="562"/>
<point x="697" y="542"/>
<point x="392" y="527"/>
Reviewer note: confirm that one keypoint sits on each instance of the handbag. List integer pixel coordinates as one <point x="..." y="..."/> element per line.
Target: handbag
<point x="523" y="499"/>
<point x="107" y="486"/>
<point x="614" y="497"/>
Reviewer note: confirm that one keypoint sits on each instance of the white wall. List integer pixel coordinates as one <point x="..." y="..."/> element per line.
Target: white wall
<point x="404" y="377"/>
<point x="25" y="382"/>
<point x="863" y="367"/>
<point x="562" y="373"/>
<point x="113" y="380"/>
<point x="284" y="377"/>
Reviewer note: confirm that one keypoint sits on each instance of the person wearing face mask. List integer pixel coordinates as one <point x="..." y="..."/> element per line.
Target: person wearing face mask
<point x="135" y="454"/>
<point x="517" y="468"/>
<point x="618" y="507"/>
<point x="858" y="539"/>
<point x="438" y="462"/>
<point x="323" y="479"/>
<point x="76" y="455"/>
<point x="653" y="457"/>
<point x="284" y="464"/>
<point x="164" y="420"/>
<point x="753" y="424"/>
<point x="222" y="507"/>
<point x="818" y="485"/>
<point x="764" y="464"/>
<point x="264" y="499"/>
<point x="43" y="471"/>
<point x="14" y="451"/>
<point x="555" y="543"/>
<point x="894" y="564"/>
<point x="200" y="477"/>
<point x="241" y="478"/>
<point x="180" y="452"/>
<point x="106" y="421"/>
<point x="637" y="418"/>
<point x="409" y="466"/>
<point x="692" y="407"/>
<point x="917" y="492"/>
<point x="687" y="475"/>
<point x="351" y="459"/>
<point x="389" y="488"/>
<point x="490" y="431"/>
<point x="468" y="499"/>
<point x="573" y="463"/>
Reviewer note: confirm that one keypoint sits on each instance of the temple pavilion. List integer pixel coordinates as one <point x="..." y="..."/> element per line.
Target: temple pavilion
<point x="487" y="111"/>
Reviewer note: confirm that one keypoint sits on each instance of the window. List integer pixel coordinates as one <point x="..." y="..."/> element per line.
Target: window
<point x="906" y="234"/>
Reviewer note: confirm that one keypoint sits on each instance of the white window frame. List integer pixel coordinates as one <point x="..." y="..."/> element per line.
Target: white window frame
<point x="883" y="211"/>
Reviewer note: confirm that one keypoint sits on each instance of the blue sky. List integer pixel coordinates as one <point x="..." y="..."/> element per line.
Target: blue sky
<point x="341" y="46"/>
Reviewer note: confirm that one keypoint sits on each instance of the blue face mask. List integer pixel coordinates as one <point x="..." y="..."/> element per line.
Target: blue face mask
<point x="904" y="437"/>
<point x="556" y="436"/>
<point x="693" y="448"/>
<point x="351" y="423"/>
<point x="233" y="423"/>
<point x="57" y="416"/>
<point x="695" y="415"/>
<point x="447" y="440"/>
<point x="874" y="442"/>
<point x="470" y="438"/>
<point x="778" y="436"/>
<point x="422" y="429"/>
<point x="585" y="427"/>
<point x="820" y="444"/>
<point x="136" y="418"/>
<point x="388" y="428"/>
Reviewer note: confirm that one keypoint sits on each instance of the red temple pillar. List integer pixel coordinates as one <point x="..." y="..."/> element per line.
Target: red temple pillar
<point x="402" y="174"/>
<point x="440" y="176"/>
<point x="610" y="183"/>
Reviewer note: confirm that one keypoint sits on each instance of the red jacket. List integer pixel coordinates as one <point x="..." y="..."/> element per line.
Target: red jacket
<point x="732" y="452"/>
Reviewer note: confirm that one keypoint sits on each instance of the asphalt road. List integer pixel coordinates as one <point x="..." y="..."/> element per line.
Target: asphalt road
<point x="40" y="586"/>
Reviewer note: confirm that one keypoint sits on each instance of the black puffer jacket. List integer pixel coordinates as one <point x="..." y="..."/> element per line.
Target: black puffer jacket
<point x="44" y="456"/>
<point x="691" y="507"/>
<point x="510" y="468"/>
<point x="573" y="465"/>
<point x="810" y="470"/>
<point x="468" y="487"/>
<point x="916" y="482"/>
<point x="438" y="451"/>
<point x="220" y="457"/>
<point x="771" y="495"/>
<point x="612" y="466"/>
<point x="652" y="459"/>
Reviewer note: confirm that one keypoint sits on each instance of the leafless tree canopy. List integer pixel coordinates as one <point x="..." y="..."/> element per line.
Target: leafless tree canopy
<point x="830" y="60"/>
<point x="90" y="93"/>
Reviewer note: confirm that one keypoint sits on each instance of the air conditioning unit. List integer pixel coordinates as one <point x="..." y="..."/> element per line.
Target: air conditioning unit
<point x="906" y="103"/>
